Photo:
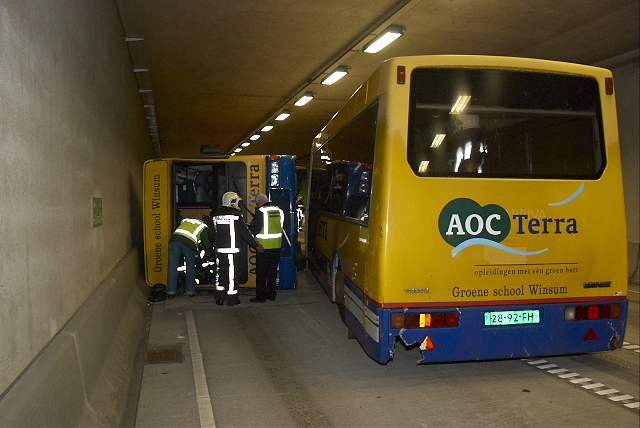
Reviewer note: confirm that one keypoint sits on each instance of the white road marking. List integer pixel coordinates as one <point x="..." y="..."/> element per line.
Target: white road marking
<point x="202" y="389"/>
<point x="593" y="385"/>
<point x="586" y="383"/>
<point x="581" y="380"/>
<point x="547" y="366"/>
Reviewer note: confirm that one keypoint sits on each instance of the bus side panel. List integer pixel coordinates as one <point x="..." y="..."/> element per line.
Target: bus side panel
<point x="366" y="321"/>
<point x="256" y="181"/>
<point x="156" y="221"/>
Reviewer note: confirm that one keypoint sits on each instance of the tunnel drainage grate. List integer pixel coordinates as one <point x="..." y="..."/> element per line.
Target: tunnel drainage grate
<point x="160" y="356"/>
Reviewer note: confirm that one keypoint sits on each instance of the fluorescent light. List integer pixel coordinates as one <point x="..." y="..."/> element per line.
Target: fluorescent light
<point x="437" y="140"/>
<point x="246" y="144"/>
<point x="325" y="157"/>
<point x="305" y="98"/>
<point x="336" y="75"/>
<point x="384" y="39"/>
<point x="423" y="167"/>
<point x="461" y="104"/>
<point x="285" y="114"/>
<point x="238" y="150"/>
<point x="254" y="137"/>
<point x="268" y="127"/>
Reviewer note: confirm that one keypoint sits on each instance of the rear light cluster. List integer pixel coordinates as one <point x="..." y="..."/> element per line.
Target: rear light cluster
<point x="417" y="320"/>
<point x="592" y="312"/>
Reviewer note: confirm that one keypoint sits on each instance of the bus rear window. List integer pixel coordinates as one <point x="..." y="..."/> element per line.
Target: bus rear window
<point x="500" y="123"/>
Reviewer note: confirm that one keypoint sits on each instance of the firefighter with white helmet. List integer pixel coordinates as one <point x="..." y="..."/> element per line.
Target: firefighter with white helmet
<point x="230" y="229"/>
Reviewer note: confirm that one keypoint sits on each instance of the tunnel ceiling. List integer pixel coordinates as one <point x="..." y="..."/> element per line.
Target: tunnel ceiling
<point x="215" y="71"/>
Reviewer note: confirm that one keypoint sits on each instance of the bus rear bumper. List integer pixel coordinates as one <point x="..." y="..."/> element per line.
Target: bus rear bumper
<point x="472" y="340"/>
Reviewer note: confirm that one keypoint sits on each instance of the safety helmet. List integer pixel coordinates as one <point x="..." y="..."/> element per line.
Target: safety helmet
<point x="231" y="199"/>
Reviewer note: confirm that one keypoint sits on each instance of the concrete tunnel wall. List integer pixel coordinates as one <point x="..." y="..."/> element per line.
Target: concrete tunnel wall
<point x="72" y="128"/>
<point x="627" y="78"/>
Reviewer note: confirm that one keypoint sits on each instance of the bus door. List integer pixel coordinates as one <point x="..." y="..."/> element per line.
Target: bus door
<point x="198" y="187"/>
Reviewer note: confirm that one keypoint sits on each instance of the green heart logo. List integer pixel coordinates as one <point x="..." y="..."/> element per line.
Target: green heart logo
<point x="462" y="219"/>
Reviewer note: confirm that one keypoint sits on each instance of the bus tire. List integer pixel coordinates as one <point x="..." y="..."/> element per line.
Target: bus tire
<point x="338" y="287"/>
<point x="350" y="334"/>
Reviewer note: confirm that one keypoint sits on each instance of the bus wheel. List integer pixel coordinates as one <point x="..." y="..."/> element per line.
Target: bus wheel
<point x="338" y="286"/>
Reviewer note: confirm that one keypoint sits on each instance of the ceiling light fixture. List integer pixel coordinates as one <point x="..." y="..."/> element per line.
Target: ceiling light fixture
<point x="384" y="39"/>
<point x="461" y="104"/>
<point x="437" y="140"/>
<point x="238" y="150"/>
<point x="268" y="127"/>
<point x="335" y="75"/>
<point x="283" y="115"/>
<point x="305" y="98"/>
<point x="254" y="137"/>
<point x="246" y="144"/>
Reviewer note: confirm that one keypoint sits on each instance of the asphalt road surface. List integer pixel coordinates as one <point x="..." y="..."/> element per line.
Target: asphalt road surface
<point x="289" y="363"/>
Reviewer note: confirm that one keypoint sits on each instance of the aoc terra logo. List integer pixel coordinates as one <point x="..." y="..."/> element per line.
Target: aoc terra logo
<point x="463" y="223"/>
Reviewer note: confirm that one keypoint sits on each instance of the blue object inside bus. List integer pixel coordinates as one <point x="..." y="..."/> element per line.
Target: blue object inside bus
<point x="281" y="191"/>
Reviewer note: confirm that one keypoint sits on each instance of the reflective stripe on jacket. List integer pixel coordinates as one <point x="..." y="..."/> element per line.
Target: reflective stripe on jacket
<point x="231" y="230"/>
<point x="228" y="224"/>
<point x="270" y="236"/>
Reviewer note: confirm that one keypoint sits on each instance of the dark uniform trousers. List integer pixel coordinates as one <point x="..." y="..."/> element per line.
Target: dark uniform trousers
<point x="267" y="273"/>
<point x="227" y="277"/>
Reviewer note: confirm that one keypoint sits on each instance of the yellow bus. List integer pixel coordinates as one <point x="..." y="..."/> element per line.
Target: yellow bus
<point x="472" y="207"/>
<point x="179" y="188"/>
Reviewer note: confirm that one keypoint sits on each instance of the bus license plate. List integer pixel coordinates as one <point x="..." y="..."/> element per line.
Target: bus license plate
<point x="529" y="316"/>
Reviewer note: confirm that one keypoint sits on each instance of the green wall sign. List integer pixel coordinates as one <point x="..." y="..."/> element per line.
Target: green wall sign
<point x="97" y="212"/>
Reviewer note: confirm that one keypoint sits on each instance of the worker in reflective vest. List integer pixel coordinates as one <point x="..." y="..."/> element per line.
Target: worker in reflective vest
<point x="230" y="230"/>
<point x="190" y="236"/>
<point x="267" y="226"/>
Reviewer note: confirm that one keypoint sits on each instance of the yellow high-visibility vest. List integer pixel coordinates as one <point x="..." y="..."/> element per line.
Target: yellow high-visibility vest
<point x="272" y="222"/>
<point x="191" y="228"/>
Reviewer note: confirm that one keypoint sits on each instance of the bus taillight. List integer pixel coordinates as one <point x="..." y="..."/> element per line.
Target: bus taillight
<point x="451" y="319"/>
<point x="424" y="320"/>
<point x="437" y="319"/>
<point x="397" y="320"/>
<point x="616" y="310"/>
<point x="592" y="312"/>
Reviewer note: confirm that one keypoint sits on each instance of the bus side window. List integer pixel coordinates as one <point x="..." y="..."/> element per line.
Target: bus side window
<point x="358" y="207"/>
<point x="337" y="189"/>
<point x="358" y="191"/>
